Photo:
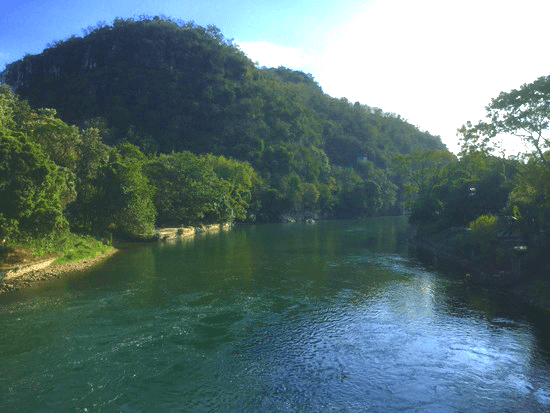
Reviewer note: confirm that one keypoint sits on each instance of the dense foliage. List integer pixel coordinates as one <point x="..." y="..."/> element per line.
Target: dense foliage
<point x="177" y="91"/>
<point x="54" y="177"/>
<point x="446" y="191"/>
<point x="32" y="188"/>
<point x="193" y="189"/>
<point x="505" y="203"/>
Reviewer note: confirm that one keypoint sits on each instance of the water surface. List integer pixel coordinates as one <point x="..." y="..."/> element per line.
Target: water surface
<point x="335" y="316"/>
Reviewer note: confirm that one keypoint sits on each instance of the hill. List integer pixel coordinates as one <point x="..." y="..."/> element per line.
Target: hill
<point x="169" y="86"/>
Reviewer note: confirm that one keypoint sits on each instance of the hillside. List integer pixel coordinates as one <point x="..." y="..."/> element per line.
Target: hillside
<point x="169" y="86"/>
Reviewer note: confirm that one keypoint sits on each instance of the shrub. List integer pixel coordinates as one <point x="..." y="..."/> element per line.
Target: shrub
<point x="483" y="237"/>
<point x="484" y="225"/>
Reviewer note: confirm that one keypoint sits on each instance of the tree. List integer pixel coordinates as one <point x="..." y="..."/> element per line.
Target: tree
<point x="424" y="174"/>
<point x="529" y="200"/>
<point x="423" y="169"/>
<point x="242" y="179"/>
<point x="477" y="184"/>
<point x="524" y="113"/>
<point x="169" y="86"/>
<point x="33" y="189"/>
<point x="57" y="139"/>
<point x="124" y="203"/>
<point x="6" y="109"/>
<point x="93" y="158"/>
<point x="188" y="190"/>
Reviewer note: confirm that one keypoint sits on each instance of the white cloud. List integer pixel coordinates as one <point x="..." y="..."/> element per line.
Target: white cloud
<point x="271" y="55"/>
<point x="437" y="63"/>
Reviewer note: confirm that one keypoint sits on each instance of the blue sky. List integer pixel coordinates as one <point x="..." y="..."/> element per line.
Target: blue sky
<point x="437" y="63"/>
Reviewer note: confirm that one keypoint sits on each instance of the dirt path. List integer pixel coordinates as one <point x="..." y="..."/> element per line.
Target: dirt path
<point x="51" y="271"/>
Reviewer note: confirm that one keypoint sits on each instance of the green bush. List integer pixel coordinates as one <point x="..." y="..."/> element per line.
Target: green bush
<point x="484" y="225"/>
<point x="484" y="237"/>
<point x="70" y="247"/>
<point x="78" y="248"/>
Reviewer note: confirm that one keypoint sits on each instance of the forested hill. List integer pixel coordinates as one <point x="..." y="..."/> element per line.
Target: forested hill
<point x="181" y="86"/>
<point x="169" y="86"/>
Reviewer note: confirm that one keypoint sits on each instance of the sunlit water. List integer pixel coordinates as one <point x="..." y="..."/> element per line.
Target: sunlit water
<point x="335" y="316"/>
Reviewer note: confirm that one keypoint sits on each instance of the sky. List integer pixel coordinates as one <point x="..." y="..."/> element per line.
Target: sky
<point x="436" y="63"/>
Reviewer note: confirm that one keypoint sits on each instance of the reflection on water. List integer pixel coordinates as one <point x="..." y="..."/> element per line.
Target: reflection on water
<point x="332" y="316"/>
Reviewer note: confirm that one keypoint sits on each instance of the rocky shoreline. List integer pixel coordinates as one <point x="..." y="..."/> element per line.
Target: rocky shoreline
<point x="39" y="273"/>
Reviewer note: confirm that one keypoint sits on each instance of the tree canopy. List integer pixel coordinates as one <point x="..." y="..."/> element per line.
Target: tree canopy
<point x="33" y="189"/>
<point x="156" y="121"/>
<point x="523" y="112"/>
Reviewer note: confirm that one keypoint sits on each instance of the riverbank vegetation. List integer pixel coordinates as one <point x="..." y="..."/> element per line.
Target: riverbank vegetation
<point x="481" y="209"/>
<point x="159" y="122"/>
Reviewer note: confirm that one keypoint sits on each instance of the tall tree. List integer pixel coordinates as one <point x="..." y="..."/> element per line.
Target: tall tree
<point x="124" y="203"/>
<point x="33" y="189"/>
<point x="523" y="112"/>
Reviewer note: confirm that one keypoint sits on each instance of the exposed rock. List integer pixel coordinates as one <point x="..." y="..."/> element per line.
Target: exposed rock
<point x="24" y="269"/>
<point x="175" y="233"/>
<point x="165" y="234"/>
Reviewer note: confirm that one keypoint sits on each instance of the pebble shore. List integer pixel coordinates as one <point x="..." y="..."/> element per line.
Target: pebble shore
<point x="50" y="272"/>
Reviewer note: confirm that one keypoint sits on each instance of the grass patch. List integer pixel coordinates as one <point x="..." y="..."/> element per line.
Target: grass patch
<point x="82" y="248"/>
<point x="68" y="247"/>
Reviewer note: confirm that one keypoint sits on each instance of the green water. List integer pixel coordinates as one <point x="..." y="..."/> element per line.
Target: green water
<point x="334" y="316"/>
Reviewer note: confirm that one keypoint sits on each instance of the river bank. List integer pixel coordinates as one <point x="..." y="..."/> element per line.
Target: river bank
<point x="332" y="316"/>
<point x="26" y="275"/>
<point x="523" y="276"/>
<point x="33" y="270"/>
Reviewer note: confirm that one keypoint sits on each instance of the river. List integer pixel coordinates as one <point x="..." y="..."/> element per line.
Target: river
<point x="332" y="316"/>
